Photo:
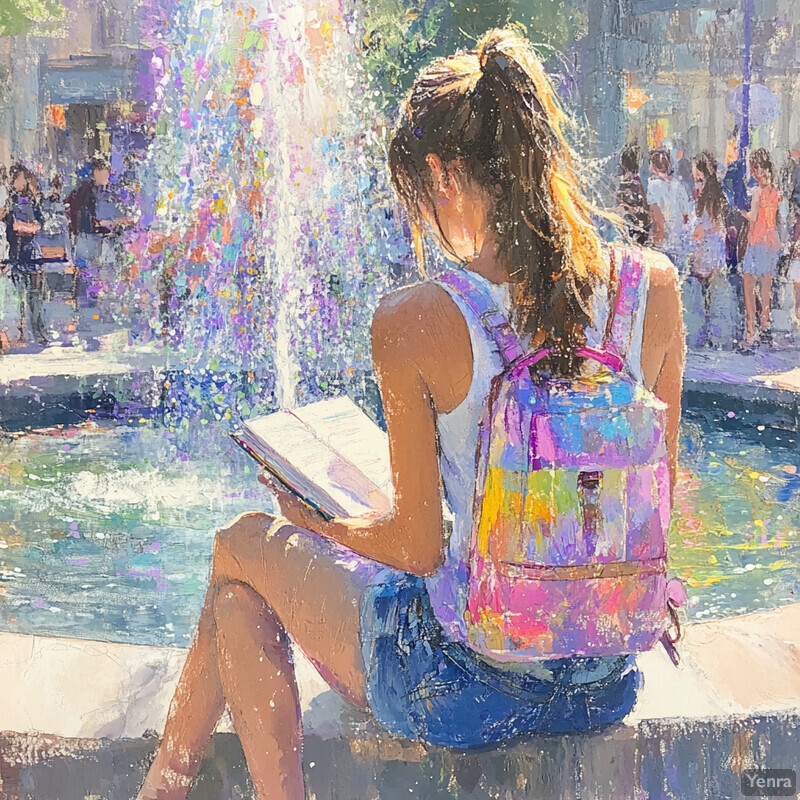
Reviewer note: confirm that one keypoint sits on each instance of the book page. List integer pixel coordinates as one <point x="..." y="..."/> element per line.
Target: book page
<point x="345" y="428"/>
<point x="312" y="468"/>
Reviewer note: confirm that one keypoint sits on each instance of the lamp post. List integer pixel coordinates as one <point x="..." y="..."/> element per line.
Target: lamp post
<point x="748" y="12"/>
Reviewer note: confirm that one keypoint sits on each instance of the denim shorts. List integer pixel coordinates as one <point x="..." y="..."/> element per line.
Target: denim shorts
<point x="425" y="687"/>
<point x="760" y="260"/>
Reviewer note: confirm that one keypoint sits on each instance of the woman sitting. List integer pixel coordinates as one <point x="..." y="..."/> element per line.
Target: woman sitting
<point x="480" y="158"/>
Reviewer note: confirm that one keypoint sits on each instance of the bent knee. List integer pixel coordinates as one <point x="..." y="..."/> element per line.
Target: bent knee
<point x="235" y="597"/>
<point x="240" y="532"/>
<point x="239" y="608"/>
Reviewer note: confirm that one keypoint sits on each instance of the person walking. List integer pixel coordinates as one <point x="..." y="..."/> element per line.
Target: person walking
<point x="632" y="198"/>
<point x="670" y="208"/>
<point x="23" y="221"/>
<point x="89" y="228"/>
<point x="707" y="252"/>
<point x="763" y="248"/>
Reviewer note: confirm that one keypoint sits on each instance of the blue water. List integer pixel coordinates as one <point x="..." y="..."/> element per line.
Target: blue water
<point x="107" y="533"/>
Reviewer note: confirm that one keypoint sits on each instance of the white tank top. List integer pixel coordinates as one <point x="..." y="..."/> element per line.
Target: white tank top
<point x="458" y="440"/>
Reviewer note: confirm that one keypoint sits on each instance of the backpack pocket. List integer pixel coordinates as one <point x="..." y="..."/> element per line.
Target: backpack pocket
<point x="569" y="551"/>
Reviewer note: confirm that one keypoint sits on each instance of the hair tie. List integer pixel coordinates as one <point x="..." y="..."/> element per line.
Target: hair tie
<point x="502" y="61"/>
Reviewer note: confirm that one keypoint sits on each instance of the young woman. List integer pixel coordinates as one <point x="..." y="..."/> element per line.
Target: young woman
<point x="763" y="246"/>
<point x="479" y="156"/>
<point x="707" y="253"/>
<point x="632" y="198"/>
<point x="23" y="221"/>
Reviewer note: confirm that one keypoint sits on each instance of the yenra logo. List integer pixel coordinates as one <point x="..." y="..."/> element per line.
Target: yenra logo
<point x="769" y="783"/>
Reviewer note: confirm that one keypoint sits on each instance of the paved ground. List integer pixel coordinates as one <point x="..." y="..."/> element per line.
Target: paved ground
<point x="41" y="387"/>
<point x="774" y="367"/>
<point x="698" y="761"/>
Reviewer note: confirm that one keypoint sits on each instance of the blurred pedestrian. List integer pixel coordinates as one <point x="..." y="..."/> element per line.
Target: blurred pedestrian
<point x="793" y="196"/>
<point x="23" y="221"/>
<point x="683" y="167"/>
<point x="763" y="247"/>
<point x="86" y="227"/>
<point x="670" y="208"/>
<point x="3" y="212"/>
<point x="56" y="247"/>
<point x="9" y="298"/>
<point x="631" y="196"/>
<point x="707" y="254"/>
<point x="53" y="239"/>
<point x="708" y="234"/>
<point x="734" y="185"/>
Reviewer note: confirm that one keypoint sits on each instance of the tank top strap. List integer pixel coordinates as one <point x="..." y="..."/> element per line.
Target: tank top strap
<point x="630" y="279"/>
<point x="492" y="317"/>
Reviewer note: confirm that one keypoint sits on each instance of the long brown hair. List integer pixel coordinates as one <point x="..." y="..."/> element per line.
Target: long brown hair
<point x="493" y="112"/>
<point x="711" y="198"/>
<point x="762" y="161"/>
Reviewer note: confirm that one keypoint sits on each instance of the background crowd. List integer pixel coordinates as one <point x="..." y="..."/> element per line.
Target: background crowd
<point x="732" y="233"/>
<point x="55" y="245"/>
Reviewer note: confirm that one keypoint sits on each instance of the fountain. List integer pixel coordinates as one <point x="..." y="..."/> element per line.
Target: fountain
<point x="274" y="230"/>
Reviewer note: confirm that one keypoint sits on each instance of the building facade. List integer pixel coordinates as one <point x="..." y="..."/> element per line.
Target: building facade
<point x="78" y="91"/>
<point x="667" y="71"/>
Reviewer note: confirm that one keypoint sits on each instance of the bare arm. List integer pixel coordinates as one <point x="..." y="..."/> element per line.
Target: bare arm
<point x="752" y="214"/>
<point x="411" y="538"/>
<point x="659" y="224"/>
<point x="664" y="347"/>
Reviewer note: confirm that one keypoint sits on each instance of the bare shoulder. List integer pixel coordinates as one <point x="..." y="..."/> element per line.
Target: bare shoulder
<point x="411" y="316"/>
<point x="663" y="276"/>
<point x="419" y="331"/>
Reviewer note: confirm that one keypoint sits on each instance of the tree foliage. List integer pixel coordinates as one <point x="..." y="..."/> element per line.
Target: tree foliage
<point x="400" y="36"/>
<point x="24" y="16"/>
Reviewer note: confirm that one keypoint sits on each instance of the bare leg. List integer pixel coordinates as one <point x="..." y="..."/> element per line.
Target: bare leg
<point x="749" y="287"/>
<point x="766" y="302"/>
<point x="257" y="672"/>
<point x="307" y="592"/>
<point x="797" y="301"/>
<point x="195" y="709"/>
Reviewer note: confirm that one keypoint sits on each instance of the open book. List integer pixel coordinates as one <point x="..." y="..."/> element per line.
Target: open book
<point x="329" y="453"/>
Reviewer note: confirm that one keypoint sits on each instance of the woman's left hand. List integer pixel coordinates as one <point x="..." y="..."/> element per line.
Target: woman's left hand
<point x="293" y="509"/>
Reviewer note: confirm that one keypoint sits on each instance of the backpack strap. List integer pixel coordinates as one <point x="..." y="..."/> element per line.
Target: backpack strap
<point x="627" y="267"/>
<point x="492" y="318"/>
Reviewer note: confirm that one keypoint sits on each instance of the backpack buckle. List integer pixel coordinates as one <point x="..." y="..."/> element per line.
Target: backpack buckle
<point x="672" y="635"/>
<point x="494" y="318"/>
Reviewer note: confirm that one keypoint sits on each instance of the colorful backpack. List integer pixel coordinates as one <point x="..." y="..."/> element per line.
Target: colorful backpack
<point x="572" y="500"/>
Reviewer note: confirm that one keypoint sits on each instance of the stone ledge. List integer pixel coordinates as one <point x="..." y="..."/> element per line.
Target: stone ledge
<point x="731" y="668"/>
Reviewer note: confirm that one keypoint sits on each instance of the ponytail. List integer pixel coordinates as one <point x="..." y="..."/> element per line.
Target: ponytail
<point x="494" y="112"/>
